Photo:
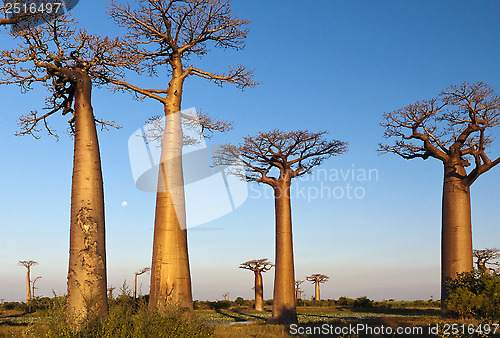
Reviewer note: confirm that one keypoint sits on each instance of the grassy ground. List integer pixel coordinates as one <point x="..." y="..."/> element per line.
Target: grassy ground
<point x="243" y="321"/>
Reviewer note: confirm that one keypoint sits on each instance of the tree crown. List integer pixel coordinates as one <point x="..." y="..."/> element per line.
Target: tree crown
<point x="293" y="153"/>
<point x="54" y="54"/>
<point x="317" y="278"/>
<point x="453" y="127"/>
<point x="257" y="265"/>
<point x="27" y="264"/>
<point x="163" y="32"/>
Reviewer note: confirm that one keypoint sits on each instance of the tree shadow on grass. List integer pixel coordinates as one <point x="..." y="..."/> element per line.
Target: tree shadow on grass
<point x="400" y="311"/>
<point x="11" y="323"/>
<point x="250" y="315"/>
<point x="237" y="319"/>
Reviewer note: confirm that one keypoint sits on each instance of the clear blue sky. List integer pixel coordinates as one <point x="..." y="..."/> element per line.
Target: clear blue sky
<point x="324" y="65"/>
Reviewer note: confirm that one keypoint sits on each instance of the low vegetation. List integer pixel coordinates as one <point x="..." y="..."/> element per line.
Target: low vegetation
<point x="45" y="317"/>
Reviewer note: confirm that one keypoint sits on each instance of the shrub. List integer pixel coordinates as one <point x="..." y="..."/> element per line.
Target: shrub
<point x="15" y="306"/>
<point x="344" y="301"/>
<point x="220" y="304"/>
<point x="362" y="302"/>
<point x="474" y="294"/>
<point x="239" y="301"/>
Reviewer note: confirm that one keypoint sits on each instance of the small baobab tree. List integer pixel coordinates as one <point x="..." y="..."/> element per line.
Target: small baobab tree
<point x="28" y="265"/>
<point x="258" y="266"/>
<point x="484" y="257"/>
<point x="33" y="282"/>
<point x="275" y="158"/>
<point x="454" y="128"/>
<point x="135" y="279"/>
<point x="297" y="288"/>
<point x="317" y="279"/>
<point x="110" y="292"/>
<point x="162" y="36"/>
<point x="69" y="62"/>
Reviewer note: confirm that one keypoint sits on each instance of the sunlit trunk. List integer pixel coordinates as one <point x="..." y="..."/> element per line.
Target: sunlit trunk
<point x="87" y="254"/>
<point x="284" y="310"/>
<point x="170" y="275"/>
<point x="316" y="289"/>
<point x="259" y="292"/>
<point x="28" y="288"/>
<point x="456" y="254"/>
<point x="135" y="286"/>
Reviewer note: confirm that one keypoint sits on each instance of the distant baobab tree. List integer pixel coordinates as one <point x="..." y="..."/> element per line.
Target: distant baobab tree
<point x="68" y="62"/>
<point x="317" y="279"/>
<point x="33" y="282"/>
<point x="258" y="266"/>
<point x="135" y="279"/>
<point x="275" y="158"/>
<point x="297" y="288"/>
<point x="28" y="265"/>
<point x="110" y="292"/>
<point x="162" y="36"/>
<point x="454" y="128"/>
<point x="226" y="296"/>
<point x="486" y="256"/>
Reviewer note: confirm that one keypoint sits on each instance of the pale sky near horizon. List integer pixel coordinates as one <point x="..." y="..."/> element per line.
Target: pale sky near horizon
<point x="323" y="65"/>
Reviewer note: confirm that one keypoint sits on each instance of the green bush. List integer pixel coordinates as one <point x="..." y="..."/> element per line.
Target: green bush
<point x="362" y="302"/>
<point x="474" y="294"/>
<point x="15" y="306"/>
<point x="344" y="301"/>
<point x="240" y="301"/>
<point x="220" y="304"/>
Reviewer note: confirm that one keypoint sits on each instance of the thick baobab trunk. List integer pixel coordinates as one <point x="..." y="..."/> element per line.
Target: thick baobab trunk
<point x="170" y="275"/>
<point x="456" y="245"/>
<point x="87" y="254"/>
<point x="284" y="310"/>
<point x="259" y="292"/>
<point x="316" y="291"/>
<point x="28" y="288"/>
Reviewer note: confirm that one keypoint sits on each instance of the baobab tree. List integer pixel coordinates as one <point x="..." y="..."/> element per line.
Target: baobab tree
<point x="163" y="35"/>
<point x="33" y="282"/>
<point x="258" y="266"/>
<point x="275" y="158"/>
<point x="135" y="279"/>
<point x="486" y="256"/>
<point x="297" y="288"/>
<point x="317" y="279"/>
<point x="69" y="62"/>
<point x="454" y="128"/>
<point x="28" y="265"/>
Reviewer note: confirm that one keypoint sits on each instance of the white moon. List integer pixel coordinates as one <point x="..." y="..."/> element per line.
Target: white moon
<point x="124" y="203"/>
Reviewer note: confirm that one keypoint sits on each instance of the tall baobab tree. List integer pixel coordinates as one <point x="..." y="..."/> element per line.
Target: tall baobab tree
<point x="275" y="158"/>
<point x="258" y="266"/>
<point x="28" y="265"/>
<point x="69" y="62"/>
<point x="33" y="282"/>
<point x="163" y="35"/>
<point x="317" y="279"/>
<point x="297" y="288"/>
<point x="135" y="279"/>
<point x="454" y="128"/>
<point x="486" y="256"/>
